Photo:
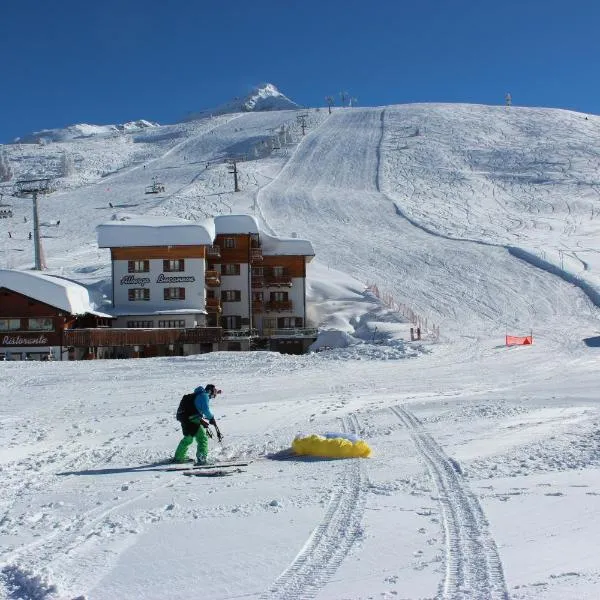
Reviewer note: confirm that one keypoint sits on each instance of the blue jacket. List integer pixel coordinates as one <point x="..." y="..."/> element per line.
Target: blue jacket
<point x="201" y="401"/>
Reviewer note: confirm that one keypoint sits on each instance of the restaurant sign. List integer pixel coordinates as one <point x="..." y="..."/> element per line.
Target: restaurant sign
<point x="17" y="340"/>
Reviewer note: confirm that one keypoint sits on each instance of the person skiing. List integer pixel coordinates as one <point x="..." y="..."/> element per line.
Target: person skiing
<point x="195" y="415"/>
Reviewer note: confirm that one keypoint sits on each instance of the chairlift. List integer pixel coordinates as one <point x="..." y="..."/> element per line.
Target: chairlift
<point x="155" y="188"/>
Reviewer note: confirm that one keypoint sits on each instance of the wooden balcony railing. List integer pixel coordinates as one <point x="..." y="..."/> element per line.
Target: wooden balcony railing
<point x="256" y="255"/>
<point x="278" y="306"/>
<point x="213" y="305"/>
<point x="212" y="278"/>
<point x="213" y="252"/>
<point x="258" y="281"/>
<point x="108" y="336"/>
<point x="278" y="281"/>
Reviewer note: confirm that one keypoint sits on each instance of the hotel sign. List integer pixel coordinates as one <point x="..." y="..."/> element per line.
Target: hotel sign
<point x="17" y="340"/>
<point x="162" y="278"/>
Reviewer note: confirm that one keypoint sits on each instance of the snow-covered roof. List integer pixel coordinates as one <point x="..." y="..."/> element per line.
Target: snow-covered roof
<point x="271" y="245"/>
<point x="55" y="291"/>
<point x="275" y="246"/>
<point x="132" y="230"/>
<point x="236" y="224"/>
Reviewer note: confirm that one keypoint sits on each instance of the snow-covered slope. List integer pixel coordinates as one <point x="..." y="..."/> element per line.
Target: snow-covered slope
<point x="484" y="479"/>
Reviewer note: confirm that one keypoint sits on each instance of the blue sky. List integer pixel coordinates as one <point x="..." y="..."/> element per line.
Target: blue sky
<point x="107" y="62"/>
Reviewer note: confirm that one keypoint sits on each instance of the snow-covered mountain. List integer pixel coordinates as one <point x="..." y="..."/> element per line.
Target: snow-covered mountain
<point x="264" y="97"/>
<point x="485" y="474"/>
<point x="82" y="130"/>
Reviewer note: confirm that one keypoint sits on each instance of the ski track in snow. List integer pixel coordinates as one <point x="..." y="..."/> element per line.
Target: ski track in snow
<point x="473" y="566"/>
<point x="331" y="541"/>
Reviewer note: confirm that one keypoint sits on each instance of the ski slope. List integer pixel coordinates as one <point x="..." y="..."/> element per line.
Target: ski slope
<point x="484" y="479"/>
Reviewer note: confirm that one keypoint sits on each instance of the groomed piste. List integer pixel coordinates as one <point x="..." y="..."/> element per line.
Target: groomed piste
<point x="331" y="445"/>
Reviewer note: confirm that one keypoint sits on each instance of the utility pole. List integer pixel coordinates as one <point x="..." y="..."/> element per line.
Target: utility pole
<point x="33" y="187"/>
<point x="302" y="120"/>
<point x="329" y="100"/>
<point x="232" y="162"/>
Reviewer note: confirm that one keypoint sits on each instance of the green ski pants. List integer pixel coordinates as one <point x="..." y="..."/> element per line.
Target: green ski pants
<point x="191" y="432"/>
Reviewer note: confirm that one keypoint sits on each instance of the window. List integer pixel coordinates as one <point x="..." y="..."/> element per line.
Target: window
<point x="177" y="293"/>
<point x="258" y="271"/>
<point x="278" y="271"/>
<point x="172" y="323"/>
<point x="210" y="294"/>
<point x="138" y="266"/>
<point x="257" y="297"/>
<point x="279" y="296"/>
<point x="229" y="243"/>
<point x="231" y="322"/>
<point x="231" y="295"/>
<point x="230" y="270"/>
<point x="135" y="294"/>
<point x="40" y="324"/>
<point x="10" y="324"/>
<point x="174" y="266"/>
<point x="289" y="322"/>
<point x="140" y="324"/>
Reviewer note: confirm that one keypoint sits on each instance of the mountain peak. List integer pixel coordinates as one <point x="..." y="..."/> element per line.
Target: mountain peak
<point x="263" y="97"/>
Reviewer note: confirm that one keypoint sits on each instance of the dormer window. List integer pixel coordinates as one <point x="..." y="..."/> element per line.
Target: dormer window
<point x="229" y="243"/>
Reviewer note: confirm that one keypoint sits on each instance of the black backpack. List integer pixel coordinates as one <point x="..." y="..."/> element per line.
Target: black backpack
<point x="186" y="408"/>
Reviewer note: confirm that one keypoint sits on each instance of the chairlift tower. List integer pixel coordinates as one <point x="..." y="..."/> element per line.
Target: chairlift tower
<point x="232" y="164"/>
<point x="508" y="99"/>
<point x="34" y="187"/>
<point x="301" y="119"/>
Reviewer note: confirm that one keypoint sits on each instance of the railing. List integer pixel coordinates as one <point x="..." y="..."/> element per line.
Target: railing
<point x="212" y="278"/>
<point x="296" y="332"/>
<point x="256" y="255"/>
<point x="109" y="336"/>
<point x="278" y="306"/>
<point x="280" y="280"/>
<point x="258" y="281"/>
<point x="213" y="305"/>
<point x="258" y="306"/>
<point x="239" y="333"/>
<point x="213" y="252"/>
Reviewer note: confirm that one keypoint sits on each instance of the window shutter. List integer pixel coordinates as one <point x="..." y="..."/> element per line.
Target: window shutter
<point x="281" y="323"/>
<point x="223" y="295"/>
<point x="165" y="265"/>
<point x="238" y="295"/>
<point x="130" y="266"/>
<point x="146" y="294"/>
<point x="146" y="266"/>
<point x="130" y="295"/>
<point x="299" y="322"/>
<point x="166" y="293"/>
<point x="238" y="322"/>
<point x="182" y="293"/>
<point x="181" y="264"/>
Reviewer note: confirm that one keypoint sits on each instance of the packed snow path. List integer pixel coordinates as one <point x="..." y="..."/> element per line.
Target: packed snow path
<point x="473" y="566"/>
<point x="332" y="539"/>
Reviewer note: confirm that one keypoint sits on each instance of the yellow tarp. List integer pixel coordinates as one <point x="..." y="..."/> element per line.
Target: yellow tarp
<point x="316" y="445"/>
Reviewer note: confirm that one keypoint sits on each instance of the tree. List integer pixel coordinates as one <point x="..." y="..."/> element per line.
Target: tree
<point x="67" y="165"/>
<point x="6" y="172"/>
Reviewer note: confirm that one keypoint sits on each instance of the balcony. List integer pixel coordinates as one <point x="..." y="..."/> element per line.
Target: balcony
<point x="258" y="282"/>
<point x="256" y="255"/>
<point x="258" y="306"/>
<point x="212" y="278"/>
<point x="297" y="332"/>
<point x="213" y="252"/>
<point x="278" y="306"/>
<point x="236" y="334"/>
<point x="278" y="281"/>
<point x="107" y="336"/>
<point x="213" y="305"/>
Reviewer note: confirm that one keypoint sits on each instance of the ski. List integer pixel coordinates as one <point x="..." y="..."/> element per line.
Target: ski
<point x="213" y="472"/>
<point x="210" y="466"/>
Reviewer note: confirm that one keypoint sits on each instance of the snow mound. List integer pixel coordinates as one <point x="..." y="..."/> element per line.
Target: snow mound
<point x="264" y="97"/>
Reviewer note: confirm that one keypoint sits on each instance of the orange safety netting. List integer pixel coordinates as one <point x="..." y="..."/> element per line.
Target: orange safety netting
<point x="513" y="340"/>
